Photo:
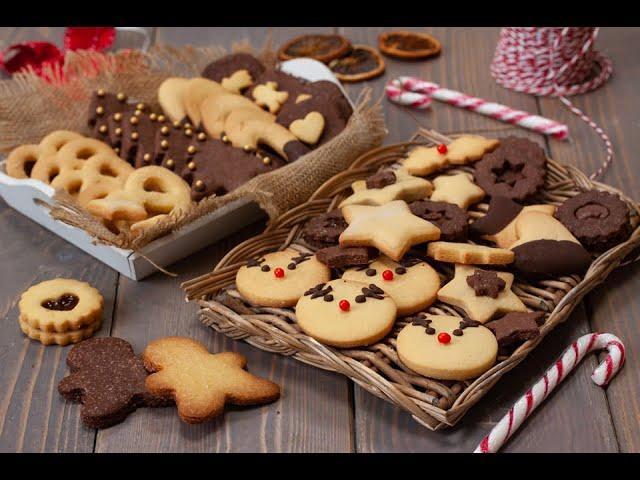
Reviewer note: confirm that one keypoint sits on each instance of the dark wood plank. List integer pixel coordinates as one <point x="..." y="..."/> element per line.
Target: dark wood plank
<point x="314" y="408"/>
<point x="615" y="307"/>
<point x="558" y="426"/>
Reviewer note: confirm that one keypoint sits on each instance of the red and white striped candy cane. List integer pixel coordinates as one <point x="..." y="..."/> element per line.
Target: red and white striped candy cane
<point x="558" y="372"/>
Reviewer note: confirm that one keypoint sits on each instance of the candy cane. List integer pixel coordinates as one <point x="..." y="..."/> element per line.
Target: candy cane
<point x="558" y="372"/>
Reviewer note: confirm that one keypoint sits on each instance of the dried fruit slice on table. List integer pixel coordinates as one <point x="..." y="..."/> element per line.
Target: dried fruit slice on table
<point x="361" y="63"/>
<point x="408" y="45"/>
<point x="323" y="48"/>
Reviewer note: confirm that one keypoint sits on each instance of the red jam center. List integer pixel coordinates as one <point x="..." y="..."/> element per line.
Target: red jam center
<point x="387" y="275"/>
<point x="442" y="149"/>
<point x="444" y="338"/>
<point x="64" y="302"/>
<point x="278" y="272"/>
<point x="344" y="305"/>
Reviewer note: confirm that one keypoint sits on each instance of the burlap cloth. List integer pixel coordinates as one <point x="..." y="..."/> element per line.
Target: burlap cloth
<point x="31" y="107"/>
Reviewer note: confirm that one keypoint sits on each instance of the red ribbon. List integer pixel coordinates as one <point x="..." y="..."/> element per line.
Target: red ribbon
<point x="36" y="55"/>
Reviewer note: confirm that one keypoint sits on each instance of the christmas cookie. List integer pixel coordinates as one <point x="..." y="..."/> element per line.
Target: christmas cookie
<point x="516" y="169"/>
<point x="340" y="257"/>
<point x="599" y="220"/>
<point x="60" y="305"/>
<point x="324" y="230"/>
<point x="346" y="314"/>
<point x="269" y="97"/>
<point x="107" y="378"/>
<point x="386" y="186"/>
<point x="452" y="221"/>
<point x="174" y="145"/>
<point x="457" y="189"/>
<point x="468" y="253"/>
<point x="194" y="94"/>
<point x="516" y="327"/>
<point x="59" y="338"/>
<point x="202" y="383"/>
<point x="391" y="228"/>
<point x="228" y="69"/>
<point x="308" y="129"/>
<point x="446" y="347"/>
<point x="411" y="283"/>
<point x="474" y="293"/>
<point x="464" y="149"/>
<point x="170" y="98"/>
<point x="279" y="279"/>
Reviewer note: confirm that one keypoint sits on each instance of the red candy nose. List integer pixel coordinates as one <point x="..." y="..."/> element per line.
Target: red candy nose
<point x="444" y="338"/>
<point x="344" y="305"/>
<point x="387" y="275"/>
<point x="442" y="148"/>
<point x="278" y="272"/>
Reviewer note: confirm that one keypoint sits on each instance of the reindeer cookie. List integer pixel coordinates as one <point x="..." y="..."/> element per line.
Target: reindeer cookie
<point x="202" y="383"/>
<point x="343" y="313"/>
<point x="279" y="279"/>
<point x="446" y="347"/>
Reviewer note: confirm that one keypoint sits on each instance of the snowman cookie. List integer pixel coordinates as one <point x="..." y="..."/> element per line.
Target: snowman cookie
<point x="411" y="283"/>
<point x="279" y="279"/>
<point x="344" y="313"/>
<point x="446" y="347"/>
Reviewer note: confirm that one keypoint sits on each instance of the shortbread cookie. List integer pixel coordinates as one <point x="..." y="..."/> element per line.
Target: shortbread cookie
<point x="268" y="96"/>
<point x="346" y="314"/>
<point x="391" y="228"/>
<point x="499" y="224"/>
<point x="60" y="305"/>
<point x="464" y="149"/>
<point x="308" y="129"/>
<point x="279" y="279"/>
<point x="469" y="254"/>
<point x="386" y="186"/>
<point x="452" y="221"/>
<point x="446" y="347"/>
<point x="59" y="338"/>
<point x="195" y="92"/>
<point x="202" y="383"/>
<point x="476" y="298"/>
<point x="170" y="97"/>
<point x="412" y="284"/>
<point x="457" y="189"/>
<point x="107" y="378"/>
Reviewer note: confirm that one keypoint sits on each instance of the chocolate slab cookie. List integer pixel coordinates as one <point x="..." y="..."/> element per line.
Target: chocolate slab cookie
<point x="452" y="221"/>
<point x="599" y="220"/>
<point x="108" y="378"/>
<point x="516" y="169"/>
<point x="324" y="230"/>
<point x="103" y="104"/>
<point x="175" y="145"/>
<point x="218" y="168"/>
<point x="138" y="133"/>
<point x="230" y="64"/>
<point x="340" y="257"/>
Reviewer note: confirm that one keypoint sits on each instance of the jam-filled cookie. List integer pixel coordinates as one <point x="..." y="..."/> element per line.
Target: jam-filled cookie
<point x="446" y="347"/>
<point x="346" y="314"/>
<point x="279" y="279"/>
<point x="60" y="305"/>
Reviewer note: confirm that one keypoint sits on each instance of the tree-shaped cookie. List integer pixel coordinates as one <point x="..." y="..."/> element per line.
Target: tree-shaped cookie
<point x="202" y="383"/>
<point x="107" y="377"/>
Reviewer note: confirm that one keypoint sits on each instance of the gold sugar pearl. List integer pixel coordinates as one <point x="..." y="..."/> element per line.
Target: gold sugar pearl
<point x="199" y="185"/>
<point x="225" y="139"/>
<point x="134" y="136"/>
<point x="133" y="120"/>
<point x="101" y="93"/>
<point x="188" y="132"/>
<point x="266" y="161"/>
<point x="121" y="97"/>
<point x="146" y="157"/>
<point x="188" y="125"/>
<point x="137" y="113"/>
<point x="170" y="163"/>
<point x="191" y="165"/>
<point x="191" y="150"/>
<point x="103" y="129"/>
<point x="247" y="148"/>
<point x="164" y="130"/>
<point x="117" y="149"/>
<point x="202" y="136"/>
<point x="153" y="117"/>
<point x="140" y="106"/>
<point x="164" y="144"/>
<point x="161" y="118"/>
<point x="100" y="111"/>
<point x="117" y="116"/>
<point x="176" y="124"/>
<point x="118" y="131"/>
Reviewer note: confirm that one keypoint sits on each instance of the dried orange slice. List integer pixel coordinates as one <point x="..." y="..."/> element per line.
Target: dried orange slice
<point x="323" y="48"/>
<point x="408" y="45"/>
<point x="361" y="63"/>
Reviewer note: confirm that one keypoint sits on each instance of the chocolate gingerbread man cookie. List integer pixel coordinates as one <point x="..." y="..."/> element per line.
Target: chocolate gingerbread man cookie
<point x="108" y="378"/>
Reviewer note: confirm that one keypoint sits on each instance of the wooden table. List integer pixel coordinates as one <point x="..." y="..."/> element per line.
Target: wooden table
<point x="321" y="411"/>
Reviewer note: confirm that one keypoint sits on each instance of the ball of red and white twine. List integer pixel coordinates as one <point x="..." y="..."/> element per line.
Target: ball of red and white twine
<point x="601" y="376"/>
<point x="548" y="61"/>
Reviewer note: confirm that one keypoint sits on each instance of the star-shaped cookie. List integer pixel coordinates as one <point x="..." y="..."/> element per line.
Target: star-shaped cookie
<point x="481" y="308"/>
<point x="464" y="149"/>
<point x="202" y="383"/>
<point x="391" y="228"/>
<point x="457" y="189"/>
<point x="405" y="187"/>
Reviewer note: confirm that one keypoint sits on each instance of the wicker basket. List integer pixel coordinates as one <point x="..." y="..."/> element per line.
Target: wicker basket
<point x="376" y="368"/>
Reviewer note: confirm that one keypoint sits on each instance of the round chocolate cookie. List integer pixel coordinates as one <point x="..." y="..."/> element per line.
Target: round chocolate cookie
<point x="452" y="221"/>
<point x="229" y="64"/>
<point x="324" y="230"/>
<point x="599" y="220"/>
<point x="516" y="169"/>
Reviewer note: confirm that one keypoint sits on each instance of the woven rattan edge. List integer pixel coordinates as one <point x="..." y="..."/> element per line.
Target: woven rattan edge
<point x="305" y="349"/>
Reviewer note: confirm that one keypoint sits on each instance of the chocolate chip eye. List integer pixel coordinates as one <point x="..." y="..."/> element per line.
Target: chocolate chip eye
<point x="265" y="268"/>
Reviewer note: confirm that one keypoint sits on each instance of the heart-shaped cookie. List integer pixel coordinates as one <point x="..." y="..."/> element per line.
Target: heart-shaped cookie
<point x="309" y="128"/>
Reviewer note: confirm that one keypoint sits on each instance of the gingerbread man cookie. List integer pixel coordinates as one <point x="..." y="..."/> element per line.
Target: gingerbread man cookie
<point x="108" y="378"/>
<point x="202" y="383"/>
<point x="267" y="95"/>
<point x="344" y="313"/>
<point x="279" y="279"/>
<point x="411" y="283"/>
<point x="446" y="347"/>
<point x="457" y="189"/>
<point x="386" y="186"/>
